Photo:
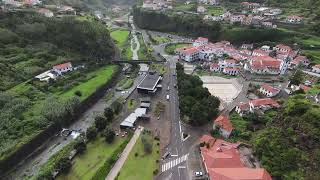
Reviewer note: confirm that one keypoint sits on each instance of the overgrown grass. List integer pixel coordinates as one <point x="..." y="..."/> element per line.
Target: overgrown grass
<point x="85" y="165"/>
<point x="99" y="77"/>
<point x="120" y="37"/>
<point x="314" y="54"/>
<point x="169" y="49"/>
<point x="142" y="166"/>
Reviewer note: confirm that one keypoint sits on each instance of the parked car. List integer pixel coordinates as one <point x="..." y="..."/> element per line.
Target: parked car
<point x="198" y="174"/>
<point x="168" y="97"/>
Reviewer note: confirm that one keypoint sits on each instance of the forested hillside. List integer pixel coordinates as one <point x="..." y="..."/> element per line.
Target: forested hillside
<point x="289" y="148"/>
<point x="192" y="25"/>
<point x="31" y="43"/>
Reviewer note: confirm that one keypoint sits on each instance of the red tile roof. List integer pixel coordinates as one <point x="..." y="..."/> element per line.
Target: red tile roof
<point x="201" y="39"/>
<point x="188" y="51"/>
<point x="243" y="106"/>
<point x="259" y="51"/>
<point x="282" y="46"/>
<point x="231" y="69"/>
<point x="317" y="66"/>
<point x="224" y="123"/>
<point x="261" y="62"/>
<point x="304" y="87"/>
<point x="269" y="88"/>
<point x="223" y="161"/>
<point x="265" y="102"/>
<point x="299" y="59"/>
<point x="230" y="61"/>
<point x="239" y="174"/>
<point x="63" y="66"/>
<point x="214" y="65"/>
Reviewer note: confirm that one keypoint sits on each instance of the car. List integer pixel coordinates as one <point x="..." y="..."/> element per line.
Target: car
<point x="174" y="74"/>
<point x="122" y="135"/>
<point x="168" y="89"/>
<point x="198" y="174"/>
<point x="117" y="134"/>
<point x="167" y="154"/>
<point x="168" y="97"/>
<point x="175" y="86"/>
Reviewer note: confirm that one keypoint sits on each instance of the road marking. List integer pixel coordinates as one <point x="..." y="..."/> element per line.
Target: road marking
<point x="173" y="163"/>
<point x="174" y="155"/>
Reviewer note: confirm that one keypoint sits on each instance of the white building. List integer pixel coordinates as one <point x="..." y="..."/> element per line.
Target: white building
<point x="231" y="71"/>
<point x="294" y="19"/>
<point x="201" y="9"/>
<point x="225" y="126"/>
<point x="200" y="41"/>
<point x="263" y="104"/>
<point x="242" y="108"/>
<point x="268" y="90"/>
<point x="62" y="68"/>
<point x="316" y="68"/>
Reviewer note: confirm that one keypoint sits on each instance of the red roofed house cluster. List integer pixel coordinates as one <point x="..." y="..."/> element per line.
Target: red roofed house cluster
<point x="268" y="90"/>
<point x="262" y="104"/>
<point x="222" y="161"/>
<point x="316" y="68"/>
<point x="223" y="124"/>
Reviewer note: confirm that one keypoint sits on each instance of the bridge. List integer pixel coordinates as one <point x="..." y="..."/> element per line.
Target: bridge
<point x="137" y="61"/>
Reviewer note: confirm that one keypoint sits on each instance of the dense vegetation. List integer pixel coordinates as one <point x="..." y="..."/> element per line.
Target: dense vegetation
<point x="192" y="25"/>
<point x="197" y="106"/>
<point x="31" y="44"/>
<point x="289" y="148"/>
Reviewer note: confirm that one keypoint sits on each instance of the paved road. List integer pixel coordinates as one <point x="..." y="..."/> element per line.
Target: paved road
<point x="120" y="162"/>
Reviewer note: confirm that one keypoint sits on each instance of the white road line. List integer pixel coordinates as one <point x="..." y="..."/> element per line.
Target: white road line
<point x="174" y="155"/>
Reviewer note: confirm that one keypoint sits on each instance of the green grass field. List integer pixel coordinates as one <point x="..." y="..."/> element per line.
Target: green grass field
<point x="214" y="10"/>
<point x="142" y="166"/>
<point x="99" y="78"/>
<point x="85" y="165"/>
<point x="172" y="47"/>
<point x="314" y="54"/>
<point x="120" y="36"/>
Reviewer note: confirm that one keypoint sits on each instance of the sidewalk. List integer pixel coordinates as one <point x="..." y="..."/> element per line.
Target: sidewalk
<point x="118" y="165"/>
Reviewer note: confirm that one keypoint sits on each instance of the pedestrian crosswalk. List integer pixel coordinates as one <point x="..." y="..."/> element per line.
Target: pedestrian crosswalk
<point x="173" y="163"/>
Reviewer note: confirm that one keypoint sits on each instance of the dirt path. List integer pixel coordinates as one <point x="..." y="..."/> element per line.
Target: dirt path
<point x="118" y="165"/>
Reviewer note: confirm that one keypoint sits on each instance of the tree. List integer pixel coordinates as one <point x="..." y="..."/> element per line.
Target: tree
<point x="296" y="78"/>
<point x="116" y="106"/>
<point x="64" y="165"/>
<point x="109" y="135"/>
<point x="100" y="122"/>
<point x="91" y="133"/>
<point x="108" y="113"/>
<point x="78" y="93"/>
<point x="80" y="146"/>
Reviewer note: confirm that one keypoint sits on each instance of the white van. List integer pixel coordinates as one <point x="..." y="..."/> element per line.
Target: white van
<point x="168" y="97"/>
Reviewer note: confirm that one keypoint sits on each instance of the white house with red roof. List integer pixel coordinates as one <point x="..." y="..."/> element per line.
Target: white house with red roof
<point x="316" y="68"/>
<point x="223" y="161"/>
<point x="283" y="48"/>
<point x="299" y="60"/>
<point x="263" y="104"/>
<point x="188" y="54"/>
<point x="62" y="68"/>
<point x="260" y="52"/>
<point x="214" y="67"/>
<point x="268" y="90"/>
<point x="200" y="41"/>
<point x="294" y="19"/>
<point x="224" y="125"/>
<point x="237" y="18"/>
<point x="231" y="71"/>
<point x="263" y="65"/>
<point x="45" y="12"/>
<point x="242" y="108"/>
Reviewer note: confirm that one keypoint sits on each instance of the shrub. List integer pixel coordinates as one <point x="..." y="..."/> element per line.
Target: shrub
<point x="136" y="154"/>
<point x="80" y="146"/>
<point x="100" y="123"/>
<point x="91" y="133"/>
<point x="109" y="134"/>
<point x="78" y="93"/>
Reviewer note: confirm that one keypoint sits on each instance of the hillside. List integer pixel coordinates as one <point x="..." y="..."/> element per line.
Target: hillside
<point x="31" y="44"/>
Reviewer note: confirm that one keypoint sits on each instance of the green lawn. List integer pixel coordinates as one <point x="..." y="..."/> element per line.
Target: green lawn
<point x="160" y="40"/>
<point x="120" y="36"/>
<point x="172" y="47"/>
<point x="131" y="103"/>
<point x="214" y="10"/>
<point x="142" y="166"/>
<point x="99" y="78"/>
<point x="314" y="41"/>
<point x="314" y="54"/>
<point x="185" y="7"/>
<point x="85" y="165"/>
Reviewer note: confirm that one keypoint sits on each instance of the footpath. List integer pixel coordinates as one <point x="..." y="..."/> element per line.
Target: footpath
<point x="120" y="162"/>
